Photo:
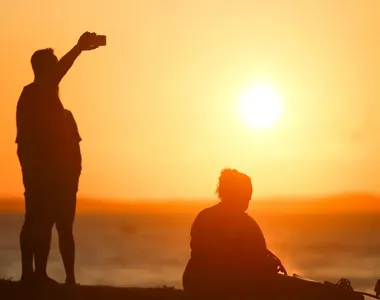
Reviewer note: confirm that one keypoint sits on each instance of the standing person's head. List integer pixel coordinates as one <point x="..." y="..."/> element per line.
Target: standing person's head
<point x="44" y="64"/>
<point x="234" y="189"/>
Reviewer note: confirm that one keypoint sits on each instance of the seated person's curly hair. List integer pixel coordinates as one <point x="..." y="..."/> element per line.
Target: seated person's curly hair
<point x="232" y="182"/>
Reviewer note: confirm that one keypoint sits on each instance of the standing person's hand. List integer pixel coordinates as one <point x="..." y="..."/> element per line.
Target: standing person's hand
<point x="85" y="42"/>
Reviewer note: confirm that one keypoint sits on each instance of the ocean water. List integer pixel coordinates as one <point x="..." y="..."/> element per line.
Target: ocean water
<point x="152" y="249"/>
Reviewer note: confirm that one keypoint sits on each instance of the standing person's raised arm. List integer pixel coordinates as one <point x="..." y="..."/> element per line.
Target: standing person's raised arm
<point x="66" y="62"/>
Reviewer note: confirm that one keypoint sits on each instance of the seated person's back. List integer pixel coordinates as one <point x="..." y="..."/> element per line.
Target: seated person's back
<point x="228" y="249"/>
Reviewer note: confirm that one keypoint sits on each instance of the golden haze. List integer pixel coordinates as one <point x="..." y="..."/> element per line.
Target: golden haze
<point x="158" y="107"/>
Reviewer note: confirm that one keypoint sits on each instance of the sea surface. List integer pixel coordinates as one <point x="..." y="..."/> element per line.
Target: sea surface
<point x="152" y="249"/>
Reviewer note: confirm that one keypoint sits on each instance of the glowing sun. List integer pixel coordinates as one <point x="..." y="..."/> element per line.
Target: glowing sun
<point x="261" y="106"/>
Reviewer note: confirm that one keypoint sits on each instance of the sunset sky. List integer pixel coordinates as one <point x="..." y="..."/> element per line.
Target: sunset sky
<point x="158" y="107"/>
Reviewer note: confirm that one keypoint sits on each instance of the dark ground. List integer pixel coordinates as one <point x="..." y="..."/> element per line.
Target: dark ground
<point x="17" y="291"/>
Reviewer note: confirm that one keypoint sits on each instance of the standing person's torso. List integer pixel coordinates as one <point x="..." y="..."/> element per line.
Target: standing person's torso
<point x="40" y="127"/>
<point x="71" y="152"/>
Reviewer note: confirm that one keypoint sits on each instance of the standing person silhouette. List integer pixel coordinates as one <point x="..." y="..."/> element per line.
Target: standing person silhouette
<point x="64" y="210"/>
<point x="228" y="249"/>
<point x="42" y="133"/>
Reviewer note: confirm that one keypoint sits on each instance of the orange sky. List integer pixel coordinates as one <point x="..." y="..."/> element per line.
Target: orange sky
<point x="158" y="107"/>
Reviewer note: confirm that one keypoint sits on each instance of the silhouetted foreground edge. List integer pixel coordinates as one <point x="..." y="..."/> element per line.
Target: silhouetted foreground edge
<point x="17" y="291"/>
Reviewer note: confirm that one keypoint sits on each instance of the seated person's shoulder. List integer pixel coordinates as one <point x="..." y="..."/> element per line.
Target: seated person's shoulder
<point x="208" y="212"/>
<point x="208" y="218"/>
<point x="201" y="216"/>
<point x="249" y="220"/>
<point x="250" y="224"/>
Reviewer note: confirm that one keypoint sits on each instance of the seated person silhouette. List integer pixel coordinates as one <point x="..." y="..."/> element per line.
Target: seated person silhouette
<point x="228" y="249"/>
<point x="229" y="256"/>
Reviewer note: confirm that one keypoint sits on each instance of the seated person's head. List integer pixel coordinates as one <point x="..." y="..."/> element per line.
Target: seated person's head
<point x="234" y="189"/>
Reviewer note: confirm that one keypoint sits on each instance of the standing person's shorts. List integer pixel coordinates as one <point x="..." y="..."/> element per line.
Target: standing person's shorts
<point x="64" y="211"/>
<point x="66" y="200"/>
<point x="40" y="186"/>
<point x="49" y="199"/>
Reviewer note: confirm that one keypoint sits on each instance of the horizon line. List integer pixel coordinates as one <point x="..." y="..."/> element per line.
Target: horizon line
<point x="141" y="199"/>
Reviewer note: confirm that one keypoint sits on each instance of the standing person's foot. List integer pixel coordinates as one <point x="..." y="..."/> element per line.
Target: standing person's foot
<point x="27" y="278"/>
<point x="44" y="279"/>
<point x="70" y="281"/>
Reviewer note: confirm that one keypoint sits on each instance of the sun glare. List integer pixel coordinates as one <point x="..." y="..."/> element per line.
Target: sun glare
<point x="261" y="106"/>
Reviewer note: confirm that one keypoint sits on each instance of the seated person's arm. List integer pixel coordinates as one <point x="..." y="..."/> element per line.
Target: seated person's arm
<point x="200" y="239"/>
<point x="260" y="258"/>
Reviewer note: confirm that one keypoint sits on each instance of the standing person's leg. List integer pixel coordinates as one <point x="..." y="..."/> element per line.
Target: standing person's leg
<point x="26" y="239"/>
<point x="42" y="234"/>
<point x="29" y="236"/>
<point x="64" y="225"/>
